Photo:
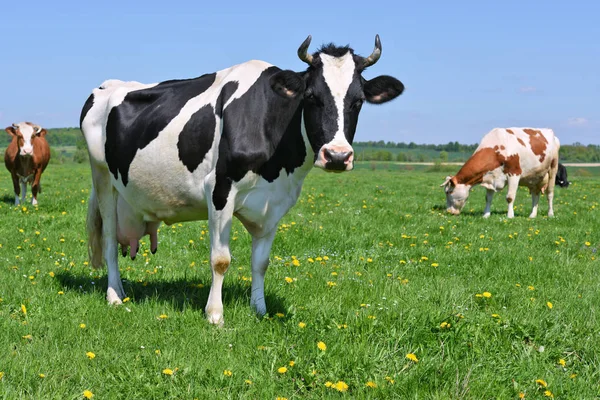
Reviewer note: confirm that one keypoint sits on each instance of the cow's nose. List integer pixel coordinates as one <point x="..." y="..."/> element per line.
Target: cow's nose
<point x="337" y="160"/>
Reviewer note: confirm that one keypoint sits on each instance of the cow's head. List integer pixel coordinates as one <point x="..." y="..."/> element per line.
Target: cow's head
<point x="334" y="91"/>
<point x="456" y="194"/>
<point x="25" y="133"/>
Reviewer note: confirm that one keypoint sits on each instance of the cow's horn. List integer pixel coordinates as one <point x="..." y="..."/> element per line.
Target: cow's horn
<point x="303" y="51"/>
<point x="15" y="125"/>
<point x="37" y="128"/>
<point x="372" y="59"/>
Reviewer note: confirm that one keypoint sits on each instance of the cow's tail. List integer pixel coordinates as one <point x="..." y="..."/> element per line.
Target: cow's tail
<point x="94" y="228"/>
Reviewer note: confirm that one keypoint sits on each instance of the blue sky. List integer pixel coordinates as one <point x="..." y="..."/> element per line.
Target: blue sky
<point x="468" y="66"/>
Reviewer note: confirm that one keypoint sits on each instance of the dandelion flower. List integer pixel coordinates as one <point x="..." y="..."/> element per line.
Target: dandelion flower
<point x="549" y="305"/>
<point x="435" y="264"/>
<point x="23" y="309"/>
<point x="282" y="370"/>
<point x="90" y="355"/>
<point x="341" y="386"/>
<point x="227" y="372"/>
<point x="562" y="362"/>
<point x="247" y="381"/>
<point x="328" y="384"/>
<point x="301" y="325"/>
<point x="42" y="376"/>
<point x="163" y="316"/>
<point x="1" y="375"/>
<point x="548" y="393"/>
<point x="82" y="326"/>
<point x="60" y="292"/>
<point x="487" y="295"/>
<point x="167" y="371"/>
<point x="292" y="363"/>
<point x="51" y="274"/>
<point x="390" y="380"/>
<point x="28" y="337"/>
<point x="371" y="384"/>
<point x="288" y="279"/>
<point x="126" y="299"/>
<point x="541" y="382"/>
<point x="279" y="315"/>
<point x="322" y="346"/>
<point x="412" y="357"/>
<point x="88" y="394"/>
<point x="444" y="325"/>
<point x="295" y="262"/>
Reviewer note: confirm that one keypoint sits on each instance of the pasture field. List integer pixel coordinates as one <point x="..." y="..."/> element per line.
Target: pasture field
<point x="408" y="302"/>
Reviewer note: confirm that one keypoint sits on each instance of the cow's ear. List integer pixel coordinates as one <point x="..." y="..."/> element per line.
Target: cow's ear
<point x="288" y="84"/>
<point x="11" y="131"/>
<point x="42" y="133"/>
<point x="382" y="89"/>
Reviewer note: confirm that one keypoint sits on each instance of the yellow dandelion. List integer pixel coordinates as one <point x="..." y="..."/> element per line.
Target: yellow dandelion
<point x="82" y="326"/>
<point x="28" y="337"/>
<point x="295" y="262"/>
<point x="328" y="384"/>
<point x="167" y="371"/>
<point x="60" y="292"/>
<point x="51" y="274"/>
<point x="163" y="316"/>
<point x="1" y="375"/>
<point x="549" y="305"/>
<point x="521" y="395"/>
<point x="588" y="244"/>
<point x="279" y="315"/>
<point x="444" y="325"/>
<point x="88" y="394"/>
<point x="23" y="309"/>
<point x="288" y="279"/>
<point x="90" y="355"/>
<point x="390" y="380"/>
<point x="282" y="370"/>
<point x="562" y="362"/>
<point x="322" y="346"/>
<point x="412" y="357"/>
<point x="301" y="325"/>
<point x="292" y="363"/>
<point x="548" y="393"/>
<point x="126" y="299"/>
<point x="281" y="398"/>
<point x="42" y="376"/>
<point x="247" y="381"/>
<point x="227" y="372"/>
<point x="157" y="352"/>
<point x="487" y="295"/>
<point x="325" y="258"/>
<point x="371" y="384"/>
<point x="541" y="382"/>
<point x="341" y="386"/>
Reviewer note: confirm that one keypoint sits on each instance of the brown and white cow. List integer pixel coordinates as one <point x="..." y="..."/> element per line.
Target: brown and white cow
<point x="26" y="157"/>
<point x="517" y="156"/>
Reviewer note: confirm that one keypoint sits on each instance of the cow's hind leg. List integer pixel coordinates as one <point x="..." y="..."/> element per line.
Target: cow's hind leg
<point x="107" y="204"/>
<point x="513" y="185"/>
<point x="551" y="186"/>
<point x="261" y="248"/>
<point x="219" y="226"/>
<point x="35" y="187"/>
<point x="489" y="196"/>
<point x="535" y="198"/>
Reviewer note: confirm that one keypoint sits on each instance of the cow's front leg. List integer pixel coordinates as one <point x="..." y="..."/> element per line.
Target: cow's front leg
<point x="16" y="188"/>
<point x="219" y="226"/>
<point x="513" y="185"/>
<point x="535" y="198"/>
<point x="489" y="196"/>
<point x="35" y="187"/>
<point x="261" y="248"/>
<point x="23" y="190"/>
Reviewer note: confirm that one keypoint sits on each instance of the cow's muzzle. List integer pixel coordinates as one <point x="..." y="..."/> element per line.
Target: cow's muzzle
<point x="335" y="158"/>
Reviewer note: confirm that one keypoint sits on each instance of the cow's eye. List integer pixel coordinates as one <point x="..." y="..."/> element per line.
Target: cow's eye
<point x="311" y="98"/>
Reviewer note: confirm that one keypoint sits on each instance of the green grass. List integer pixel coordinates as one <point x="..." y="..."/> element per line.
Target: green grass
<point x="397" y="268"/>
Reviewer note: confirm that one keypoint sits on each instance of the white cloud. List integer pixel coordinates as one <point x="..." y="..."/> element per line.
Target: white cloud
<point x="577" y="121"/>
<point x="527" y="89"/>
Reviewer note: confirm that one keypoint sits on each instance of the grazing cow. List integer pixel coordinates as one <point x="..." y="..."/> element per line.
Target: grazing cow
<point x="26" y="158"/>
<point x="519" y="156"/>
<point x="561" y="176"/>
<point x="238" y="142"/>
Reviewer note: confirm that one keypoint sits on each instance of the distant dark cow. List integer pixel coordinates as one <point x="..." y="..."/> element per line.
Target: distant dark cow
<point x="517" y="156"/>
<point x="26" y="158"/>
<point x="561" y="176"/>
<point x="238" y="142"/>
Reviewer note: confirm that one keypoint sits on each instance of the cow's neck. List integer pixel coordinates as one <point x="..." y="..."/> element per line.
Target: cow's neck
<point x="480" y="163"/>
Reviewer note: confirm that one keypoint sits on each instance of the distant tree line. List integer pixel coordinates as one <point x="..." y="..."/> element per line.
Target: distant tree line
<point x="365" y="151"/>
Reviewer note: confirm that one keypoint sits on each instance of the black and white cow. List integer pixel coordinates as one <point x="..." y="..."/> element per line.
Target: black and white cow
<point x="235" y="142"/>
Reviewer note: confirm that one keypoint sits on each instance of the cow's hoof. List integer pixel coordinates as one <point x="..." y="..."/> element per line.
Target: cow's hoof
<point x="486" y="215"/>
<point x="551" y="214"/>
<point x="216" y="319"/>
<point x="113" y="298"/>
<point x="259" y="307"/>
<point x="34" y="202"/>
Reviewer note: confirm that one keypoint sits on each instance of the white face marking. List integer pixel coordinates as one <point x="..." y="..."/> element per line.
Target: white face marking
<point x="27" y="132"/>
<point x="338" y="73"/>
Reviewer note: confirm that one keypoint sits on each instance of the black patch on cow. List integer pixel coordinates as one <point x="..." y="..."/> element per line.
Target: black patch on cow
<point x="261" y="133"/>
<point x="562" y="179"/>
<point x="86" y="107"/>
<point x="137" y="121"/>
<point x="226" y="92"/>
<point x="196" y="137"/>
